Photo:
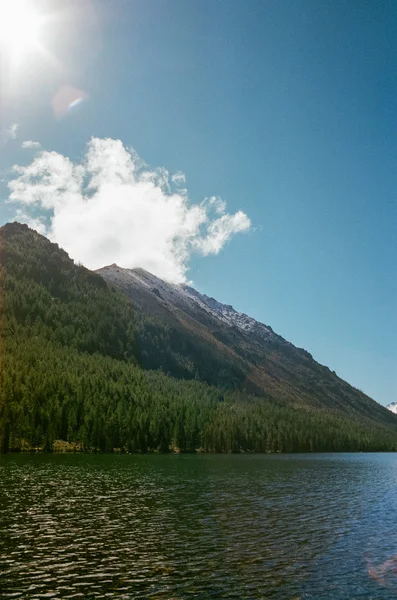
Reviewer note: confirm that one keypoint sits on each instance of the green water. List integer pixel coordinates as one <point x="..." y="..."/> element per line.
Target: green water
<point x="247" y="527"/>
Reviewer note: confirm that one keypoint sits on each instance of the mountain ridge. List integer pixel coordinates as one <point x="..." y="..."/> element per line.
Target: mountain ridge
<point x="225" y="312"/>
<point x="265" y="357"/>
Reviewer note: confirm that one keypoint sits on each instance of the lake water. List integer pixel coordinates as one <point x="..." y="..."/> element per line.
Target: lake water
<point x="168" y="527"/>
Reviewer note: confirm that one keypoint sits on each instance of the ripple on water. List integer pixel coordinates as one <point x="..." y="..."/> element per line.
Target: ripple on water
<point x="175" y="527"/>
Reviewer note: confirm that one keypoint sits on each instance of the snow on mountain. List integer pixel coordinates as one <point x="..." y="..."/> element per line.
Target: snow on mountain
<point x="227" y="314"/>
<point x="189" y="299"/>
<point x="393" y="407"/>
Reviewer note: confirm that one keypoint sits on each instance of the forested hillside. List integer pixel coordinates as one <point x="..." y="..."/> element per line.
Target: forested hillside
<point x="71" y="375"/>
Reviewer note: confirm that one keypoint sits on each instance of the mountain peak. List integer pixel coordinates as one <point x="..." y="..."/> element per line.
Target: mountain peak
<point x="199" y="306"/>
<point x="16" y="227"/>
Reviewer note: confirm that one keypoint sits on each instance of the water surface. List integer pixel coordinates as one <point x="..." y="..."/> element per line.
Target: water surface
<point x="171" y="527"/>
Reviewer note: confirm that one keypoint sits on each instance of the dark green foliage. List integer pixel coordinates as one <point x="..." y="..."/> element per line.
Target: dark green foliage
<point x="163" y="346"/>
<point x="50" y="297"/>
<point x="70" y="371"/>
<point x="51" y="392"/>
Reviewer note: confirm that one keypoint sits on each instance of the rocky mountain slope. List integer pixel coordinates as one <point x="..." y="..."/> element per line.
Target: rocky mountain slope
<point x="258" y="359"/>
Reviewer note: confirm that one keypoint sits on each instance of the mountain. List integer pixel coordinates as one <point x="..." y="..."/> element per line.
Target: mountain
<point x="127" y="362"/>
<point x="392" y="407"/>
<point x="226" y="347"/>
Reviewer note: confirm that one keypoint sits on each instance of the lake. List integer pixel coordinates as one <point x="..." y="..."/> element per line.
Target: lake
<point x="198" y="526"/>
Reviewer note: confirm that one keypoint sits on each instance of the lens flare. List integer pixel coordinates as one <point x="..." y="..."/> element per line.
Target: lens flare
<point x="75" y="104"/>
<point x="67" y="100"/>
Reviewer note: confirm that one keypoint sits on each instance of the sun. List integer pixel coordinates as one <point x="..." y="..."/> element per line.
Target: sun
<point x="20" y="27"/>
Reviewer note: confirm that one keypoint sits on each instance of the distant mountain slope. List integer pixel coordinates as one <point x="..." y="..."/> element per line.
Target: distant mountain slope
<point x="263" y="361"/>
<point x="392" y="407"/>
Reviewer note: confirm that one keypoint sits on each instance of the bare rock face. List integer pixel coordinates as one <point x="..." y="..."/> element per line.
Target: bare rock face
<point x="186" y="298"/>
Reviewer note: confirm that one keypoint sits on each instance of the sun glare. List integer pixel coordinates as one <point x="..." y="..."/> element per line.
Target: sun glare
<point x="19" y="27"/>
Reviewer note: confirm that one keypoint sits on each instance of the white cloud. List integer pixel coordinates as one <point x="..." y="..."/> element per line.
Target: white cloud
<point x="10" y="133"/>
<point x="220" y="230"/>
<point x="29" y="144"/>
<point x="179" y="178"/>
<point x="218" y="204"/>
<point x="113" y="208"/>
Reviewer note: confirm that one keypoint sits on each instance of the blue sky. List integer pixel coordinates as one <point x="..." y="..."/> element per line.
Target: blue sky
<point x="286" y="110"/>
